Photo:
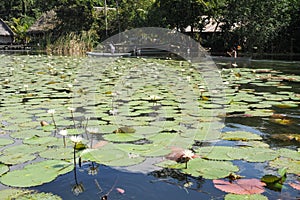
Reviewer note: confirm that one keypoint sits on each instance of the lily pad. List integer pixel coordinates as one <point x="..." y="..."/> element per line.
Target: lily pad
<point x="8" y="194"/>
<point x="111" y="157"/>
<point x="245" y="197"/>
<point x="288" y="153"/>
<point x="5" y="141"/>
<point x="16" y="158"/>
<point x="36" y="174"/>
<point x="58" y="153"/>
<point x="3" y="169"/>
<point x="241" y="186"/>
<point x="240" y="135"/>
<point x="122" y="137"/>
<point x="291" y="165"/>
<point x="253" y="154"/>
<point x="210" y="169"/>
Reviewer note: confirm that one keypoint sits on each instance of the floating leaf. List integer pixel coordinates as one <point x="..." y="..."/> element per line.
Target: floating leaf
<point x="288" y="153"/>
<point x="245" y="197"/>
<point x="4" y="141"/>
<point x="253" y="154"/>
<point x="240" y="186"/>
<point x="26" y="194"/>
<point x="49" y="141"/>
<point x="210" y="169"/>
<point x="286" y="137"/>
<point x="295" y="185"/>
<point x="16" y="158"/>
<point x="291" y="165"/>
<point x="58" y="153"/>
<point x="3" y="169"/>
<point x="216" y="152"/>
<point x="108" y="155"/>
<point x="122" y="137"/>
<point x="240" y="135"/>
<point x="36" y="174"/>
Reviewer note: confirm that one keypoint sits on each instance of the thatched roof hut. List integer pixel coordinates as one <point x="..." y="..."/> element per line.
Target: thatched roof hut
<point x="47" y="22"/>
<point x="6" y="34"/>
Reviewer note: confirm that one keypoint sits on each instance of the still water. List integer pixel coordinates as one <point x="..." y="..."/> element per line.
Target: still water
<point x="262" y="98"/>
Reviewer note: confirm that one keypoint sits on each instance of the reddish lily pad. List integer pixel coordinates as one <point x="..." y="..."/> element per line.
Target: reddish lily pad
<point x="241" y="186"/>
<point x="295" y="185"/>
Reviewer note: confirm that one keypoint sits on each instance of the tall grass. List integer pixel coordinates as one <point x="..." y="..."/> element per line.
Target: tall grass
<point x="73" y="43"/>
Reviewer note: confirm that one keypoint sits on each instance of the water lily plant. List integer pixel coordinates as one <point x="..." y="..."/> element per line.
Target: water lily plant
<point x="77" y="188"/>
<point x="72" y="110"/>
<point x="52" y="112"/>
<point x="64" y="133"/>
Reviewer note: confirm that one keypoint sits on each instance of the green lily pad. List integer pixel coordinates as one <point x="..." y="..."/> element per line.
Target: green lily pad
<point x="216" y="152"/>
<point x="24" y="149"/>
<point x="49" y="141"/>
<point x="5" y="141"/>
<point x="8" y="194"/>
<point x="151" y="150"/>
<point x="111" y="157"/>
<point x="58" y="153"/>
<point x="210" y="169"/>
<point x="253" y="154"/>
<point x="245" y="196"/>
<point x="3" y="169"/>
<point x="288" y="153"/>
<point x="240" y="135"/>
<point x="16" y="158"/>
<point x="291" y="165"/>
<point x="122" y="137"/>
<point x="36" y="174"/>
<point x="25" y="134"/>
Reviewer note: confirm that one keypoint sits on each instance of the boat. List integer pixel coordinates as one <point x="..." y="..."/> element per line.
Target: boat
<point x="237" y="59"/>
<point x="102" y="54"/>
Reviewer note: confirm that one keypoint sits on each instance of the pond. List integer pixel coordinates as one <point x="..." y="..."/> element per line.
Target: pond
<point x="142" y="128"/>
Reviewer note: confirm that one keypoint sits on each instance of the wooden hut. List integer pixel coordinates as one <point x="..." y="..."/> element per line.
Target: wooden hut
<point x="6" y="34"/>
<point x="44" y="26"/>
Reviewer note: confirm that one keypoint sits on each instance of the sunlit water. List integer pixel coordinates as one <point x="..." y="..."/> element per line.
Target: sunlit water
<point x="170" y="184"/>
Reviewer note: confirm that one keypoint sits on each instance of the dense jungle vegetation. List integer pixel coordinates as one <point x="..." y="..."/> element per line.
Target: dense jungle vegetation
<point x="263" y="26"/>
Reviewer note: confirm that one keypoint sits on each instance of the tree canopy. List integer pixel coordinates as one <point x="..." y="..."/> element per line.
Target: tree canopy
<point x="257" y="24"/>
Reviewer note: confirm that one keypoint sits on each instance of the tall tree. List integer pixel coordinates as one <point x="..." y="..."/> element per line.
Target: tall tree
<point x="257" y="22"/>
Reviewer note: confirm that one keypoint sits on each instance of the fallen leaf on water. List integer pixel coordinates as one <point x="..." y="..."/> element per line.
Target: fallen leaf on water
<point x="241" y="186"/>
<point x="281" y="121"/>
<point x="100" y="144"/>
<point x="286" y="137"/>
<point x="120" y="190"/>
<point x="295" y="185"/>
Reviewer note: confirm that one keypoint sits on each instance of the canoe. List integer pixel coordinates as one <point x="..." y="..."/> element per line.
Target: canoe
<point x="237" y="59"/>
<point x="101" y="54"/>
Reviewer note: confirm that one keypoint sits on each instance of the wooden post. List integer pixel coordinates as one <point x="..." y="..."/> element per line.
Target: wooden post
<point x="105" y="14"/>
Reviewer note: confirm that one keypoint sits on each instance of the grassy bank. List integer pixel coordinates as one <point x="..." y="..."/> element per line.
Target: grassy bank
<point x="72" y="43"/>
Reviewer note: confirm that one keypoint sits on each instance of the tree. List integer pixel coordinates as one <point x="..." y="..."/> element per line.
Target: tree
<point x="177" y="14"/>
<point x="76" y="15"/>
<point x="257" y="22"/>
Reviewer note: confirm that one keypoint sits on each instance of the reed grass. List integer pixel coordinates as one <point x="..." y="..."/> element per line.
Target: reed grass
<point x="73" y="43"/>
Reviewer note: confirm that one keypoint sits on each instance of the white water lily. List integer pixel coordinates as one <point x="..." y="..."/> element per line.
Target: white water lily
<point x="188" y="154"/>
<point x="76" y="139"/>
<point x="92" y="130"/>
<point x="51" y="111"/>
<point x="71" y="109"/>
<point x="63" y="132"/>
<point x="154" y="97"/>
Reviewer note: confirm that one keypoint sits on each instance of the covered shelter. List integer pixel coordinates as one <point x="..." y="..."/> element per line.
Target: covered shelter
<point x="44" y="26"/>
<point x="6" y="34"/>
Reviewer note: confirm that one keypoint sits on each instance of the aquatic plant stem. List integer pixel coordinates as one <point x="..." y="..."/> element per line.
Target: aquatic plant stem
<point x="72" y="114"/>
<point x="85" y="128"/>
<point x="74" y="157"/>
<point x="52" y="115"/>
<point x="64" y="138"/>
